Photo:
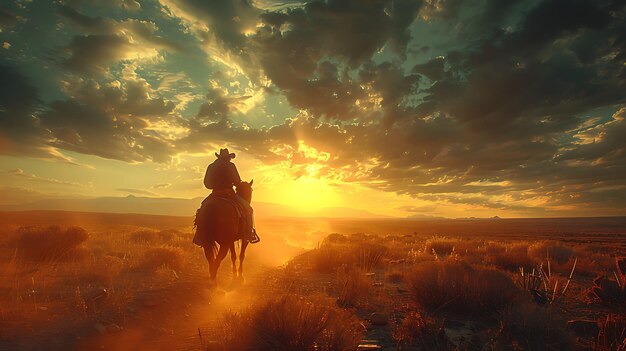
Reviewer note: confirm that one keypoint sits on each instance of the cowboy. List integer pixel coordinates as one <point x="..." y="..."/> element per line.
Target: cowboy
<point x="221" y="176"/>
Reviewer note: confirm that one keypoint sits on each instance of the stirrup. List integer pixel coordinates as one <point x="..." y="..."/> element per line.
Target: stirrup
<point x="255" y="238"/>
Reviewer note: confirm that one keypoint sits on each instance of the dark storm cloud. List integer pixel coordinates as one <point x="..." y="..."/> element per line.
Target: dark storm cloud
<point x="20" y="132"/>
<point x="7" y="19"/>
<point x="608" y="147"/>
<point x="110" y="121"/>
<point x="96" y="25"/>
<point x="106" y="41"/>
<point x="432" y="69"/>
<point x="94" y="53"/>
<point x="219" y="105"/>
<point x="293" y="47"/>
<point x="126" y="4"/>
<point x="290" y="47"/>
<point x="227" y="19"/>
<point x="530" y="80"/>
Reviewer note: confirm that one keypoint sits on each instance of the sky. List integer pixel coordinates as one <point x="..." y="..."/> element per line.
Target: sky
<point x="400" y="107"/>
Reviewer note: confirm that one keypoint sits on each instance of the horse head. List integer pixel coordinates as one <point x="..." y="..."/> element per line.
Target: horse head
<point x="244" y="189"/>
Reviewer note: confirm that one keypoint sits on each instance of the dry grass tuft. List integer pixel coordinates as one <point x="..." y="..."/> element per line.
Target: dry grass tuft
<point x="458" y="287"/>
<point x="419" y="331"/>
<point x="369" y="255"/>
<point x="354" y="287"/>
<point x="50" y="244"/>
<point x="291" y="323"/>
<point x="327" y="258"/>
<point x="167" y="235"/>
<point x="144" y="236"/>
<point x="612" y="334"/>
<point x="440" y="246"/>
<point x="535" y="328"/>
<point x="361" y="251"/>
<point x="335" y="238"/>
<point x="100" y="270"/>
<point x="164" y="256"/>
<point x="550" y="250"/>
<point x="509" y="257"/>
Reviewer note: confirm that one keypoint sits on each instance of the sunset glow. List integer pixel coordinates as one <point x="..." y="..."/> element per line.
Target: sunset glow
<point x="419" y="117"/>
<point x="304" y="175"/>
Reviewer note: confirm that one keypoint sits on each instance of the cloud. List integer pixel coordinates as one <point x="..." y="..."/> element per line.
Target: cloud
<point x="112" y="121"/>
<point x="131" y="5"/>
<point x="161" y="186"/>
<point x="417" y="209"/>
<point x="18" y="172"/>
<point x="228" y="20"/>
<point x="20" y="132"/>
<point x="7" y="19"/>
<point x="106" y="41"/>
<point x="514" y="105"/>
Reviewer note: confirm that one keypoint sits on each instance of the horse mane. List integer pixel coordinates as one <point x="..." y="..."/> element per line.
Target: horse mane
<point x="244" y="189"/>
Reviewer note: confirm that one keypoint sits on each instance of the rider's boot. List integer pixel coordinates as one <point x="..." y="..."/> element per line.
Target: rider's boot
<point x="254" y="238"/>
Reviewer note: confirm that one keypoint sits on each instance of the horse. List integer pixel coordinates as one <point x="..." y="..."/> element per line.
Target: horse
<point x="223" y="228"/>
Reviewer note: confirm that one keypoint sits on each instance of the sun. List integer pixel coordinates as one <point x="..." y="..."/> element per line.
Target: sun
<point x="308" y="193"/>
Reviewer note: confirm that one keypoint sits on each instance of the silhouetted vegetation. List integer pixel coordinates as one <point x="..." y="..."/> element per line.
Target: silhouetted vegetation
<point x="461" y="288"/>
<point x="417" y="331"/>
<point x="164" y="256"/>
<point x="533" y="327"/>
<point x="51" y="243"/>
<point x="291" y="323"/>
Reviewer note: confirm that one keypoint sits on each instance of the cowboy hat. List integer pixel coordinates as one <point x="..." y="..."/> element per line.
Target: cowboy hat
<point x="224" y="154"/>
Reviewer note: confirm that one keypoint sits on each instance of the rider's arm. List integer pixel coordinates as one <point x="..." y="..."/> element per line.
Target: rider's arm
<point x="235" y="174"/>
<point x="206" y="177"/>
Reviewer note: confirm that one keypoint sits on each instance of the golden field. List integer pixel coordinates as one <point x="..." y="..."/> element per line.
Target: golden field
<point x="131" y="282"/>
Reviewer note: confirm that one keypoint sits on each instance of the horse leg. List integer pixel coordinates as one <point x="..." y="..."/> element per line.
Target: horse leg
<point x="233" y="258"/>
<point x="242" y="256"/>
<point x="208" y="253"/>
<point x="216" y="263"/>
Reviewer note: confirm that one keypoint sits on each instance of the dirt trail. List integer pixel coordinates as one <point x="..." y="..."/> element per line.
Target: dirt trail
<point x="173" y="318"/>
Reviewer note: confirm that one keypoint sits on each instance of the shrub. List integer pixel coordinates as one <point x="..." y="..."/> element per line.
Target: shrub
<point x="460" y="288"/>
<point x="144" y="236"/>
<point x="537" y="328"/>
<point x="369" y="255"/>
<point x="612" y="334"/>
<point x="510" y="258"/>
<point x="353" y="287"/>
<point x="440" y="246"/>
<point x="168" y="235"/>
<point x="589" y="265"/>
<point x="335" y="238"/>
<point x="291" y="323"/>
<point x="101" y="270"/>
<point x="421" y="332"/>
<point x="50" y="244"/>
<point x="554" y="251"/>
<point x="327" y="258"/>
<point x="164" y="256"/>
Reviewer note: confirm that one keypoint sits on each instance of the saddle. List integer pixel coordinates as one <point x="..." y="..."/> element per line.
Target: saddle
<point x="202" y="220"/>
<point x="227" y="197"/>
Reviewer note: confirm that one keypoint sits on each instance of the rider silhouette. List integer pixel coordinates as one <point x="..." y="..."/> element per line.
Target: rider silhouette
<point x="221" y="176"/>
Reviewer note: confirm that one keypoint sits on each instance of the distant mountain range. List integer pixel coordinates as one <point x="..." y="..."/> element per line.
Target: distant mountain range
<point x="175" y="207"/>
